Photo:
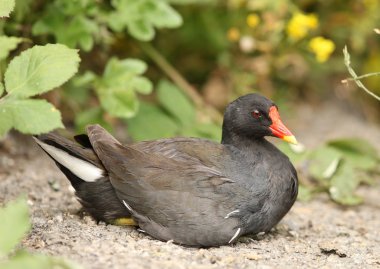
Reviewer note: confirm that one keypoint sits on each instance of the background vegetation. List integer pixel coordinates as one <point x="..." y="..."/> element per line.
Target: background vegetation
<point x="160" y="68"/>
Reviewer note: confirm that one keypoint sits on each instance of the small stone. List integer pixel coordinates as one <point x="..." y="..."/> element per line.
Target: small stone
<point x="329" y="248"/>
<point x="54" y="185"/>
<point x="58" y="218"/>
<point x="293" y="233"/>
<point x="252" y="256"/>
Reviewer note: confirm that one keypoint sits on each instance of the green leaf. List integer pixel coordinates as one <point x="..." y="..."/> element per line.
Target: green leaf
<point x="151" y="123"/>
<point x="6" y="121"/>
<point x="40" y="69"/>
<point x="140" y="17"/>
<point x="343" y="186"/>
<point x="14" y="225"/>
<point x="73" y="23"/>
<point x="1" y="88"/>
<point x="116" y="89"/>
<point x="321" y="161"/>
<point x="175" y="102"/>
<point x="7" y="44"/>
<point x="121" y="72"/>
<point x="164" y="15"/>
<point x="31" y="116"/>
<point x="23" y="260"/>
<point x="355" y="145"/>
<point x="118" y="102"/>
<point x="6" y="7"/>
<point x="142" y="85"/>
<point x="141" y="30"/>
<point x="359" y="152"/>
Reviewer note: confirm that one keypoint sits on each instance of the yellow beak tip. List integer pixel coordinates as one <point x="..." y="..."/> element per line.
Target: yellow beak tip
<point x="290" y="139"/>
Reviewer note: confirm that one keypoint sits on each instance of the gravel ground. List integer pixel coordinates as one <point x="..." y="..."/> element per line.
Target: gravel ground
<point x="317" y="234"/>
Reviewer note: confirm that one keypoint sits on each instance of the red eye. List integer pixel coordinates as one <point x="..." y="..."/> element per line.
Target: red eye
<point x="256" y="114"/>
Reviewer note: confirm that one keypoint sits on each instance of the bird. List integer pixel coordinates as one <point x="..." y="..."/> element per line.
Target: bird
<point x="191" y="191"/>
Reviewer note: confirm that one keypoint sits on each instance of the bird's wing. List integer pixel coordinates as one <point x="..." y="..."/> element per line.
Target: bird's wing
<point x="166" y="193"/>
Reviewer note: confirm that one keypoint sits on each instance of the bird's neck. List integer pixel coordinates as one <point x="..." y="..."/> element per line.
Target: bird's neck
<point x="242" y="142"/>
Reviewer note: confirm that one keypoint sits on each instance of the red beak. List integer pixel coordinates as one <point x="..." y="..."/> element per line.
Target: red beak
<point x="278" y="128"/>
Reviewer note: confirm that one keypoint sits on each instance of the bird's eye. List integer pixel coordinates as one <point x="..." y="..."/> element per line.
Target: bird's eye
<point x="256" y="114"/>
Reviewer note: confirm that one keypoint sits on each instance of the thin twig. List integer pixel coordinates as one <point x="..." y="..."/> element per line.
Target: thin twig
<point x="355" y="76"/>
<point x="361" y="77"/>
<point x="178" y="79"/>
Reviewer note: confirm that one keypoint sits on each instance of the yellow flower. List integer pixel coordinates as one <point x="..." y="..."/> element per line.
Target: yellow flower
<point x="233" y="34"/>
<point x="253" y="20"/>
<point x="300" y="24"/>
<point x="322" y="48"/>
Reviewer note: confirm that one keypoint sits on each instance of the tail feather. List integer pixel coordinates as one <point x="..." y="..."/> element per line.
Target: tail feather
<point x="79" y="160"/>
<point x="87" y="175"/>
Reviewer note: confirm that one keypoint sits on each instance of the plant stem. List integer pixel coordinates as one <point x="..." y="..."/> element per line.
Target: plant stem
<point x="181" y="82"/>
<point x="362" y="76"/>
<point x="357" y="78"/>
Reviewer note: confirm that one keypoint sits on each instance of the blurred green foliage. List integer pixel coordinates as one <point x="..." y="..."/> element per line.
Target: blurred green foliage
<point x="337" y="167"/>
<point x="277" y="47"/>
<point x="14" y="226"/>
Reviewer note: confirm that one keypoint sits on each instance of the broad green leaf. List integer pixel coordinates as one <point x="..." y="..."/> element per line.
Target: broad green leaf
<point x="32" y="116"/>
<point x="343" y="186"/>
<point x="164" y="15"/>
<point x="40" y="69"/>
<point x="142" y="85"/>
<point x="116" y="89"/>
<point x="359" y="152"/>
<point x="140" y="17"/>
<point x="141" y="30"/>
<point x="120" y="72"/>
<point x="151" y="123"/>
<point x="6" y="121"/>
<point x="175" y="102"/>
<point x="134" y="66"/>
<point x="321" y="161"/>
<point x="7" y="44"/>
<point x="70" y="22"/>
<point x="355" y="145"/>
<point x="118" y="102"/>
<point x="24" y="260"/>
<point x="6" y="7"/>
<point x="14" y="225"/>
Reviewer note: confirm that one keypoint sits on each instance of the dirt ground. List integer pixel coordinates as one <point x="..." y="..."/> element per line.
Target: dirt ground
<point x="317" y="234"/>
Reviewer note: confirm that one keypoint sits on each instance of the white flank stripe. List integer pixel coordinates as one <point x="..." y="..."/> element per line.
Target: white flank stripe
<point x="82" y="169"/>
<point x="231" y="213"/>
<point x="235" y="235"/>
<point x="127" y="206"/>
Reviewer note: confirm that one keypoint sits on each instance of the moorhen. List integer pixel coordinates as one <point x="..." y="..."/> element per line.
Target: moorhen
<point x="192" y="191"/>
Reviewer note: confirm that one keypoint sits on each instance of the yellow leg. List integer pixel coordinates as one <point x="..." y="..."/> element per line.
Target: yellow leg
<point x="125" y="222"/>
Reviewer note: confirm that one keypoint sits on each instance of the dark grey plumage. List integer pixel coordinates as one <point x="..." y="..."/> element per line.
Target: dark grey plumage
<point x="192" y="191"/>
